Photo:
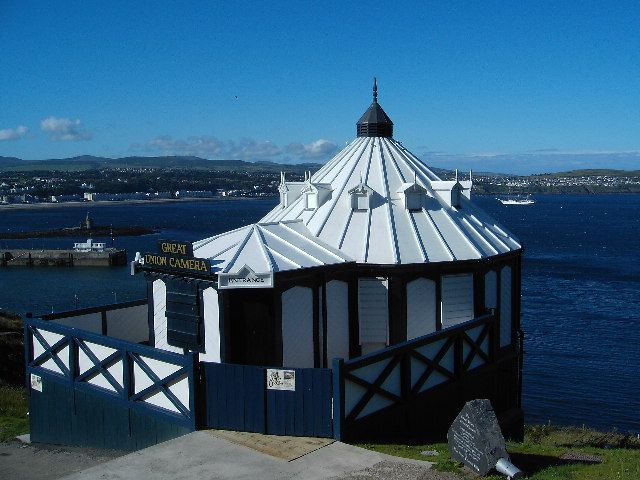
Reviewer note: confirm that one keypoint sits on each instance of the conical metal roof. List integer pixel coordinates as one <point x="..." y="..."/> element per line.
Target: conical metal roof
<point x="373" y="203"/>
<point x="390" y="229"/>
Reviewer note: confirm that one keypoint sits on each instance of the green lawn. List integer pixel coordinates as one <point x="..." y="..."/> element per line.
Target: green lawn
<point x="13" y="412"/>
<point x="539" y="455"/>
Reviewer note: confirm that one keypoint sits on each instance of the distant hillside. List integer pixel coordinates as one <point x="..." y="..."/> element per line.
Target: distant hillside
<point x="88" y="162"/>
<point x="592" y="173"/>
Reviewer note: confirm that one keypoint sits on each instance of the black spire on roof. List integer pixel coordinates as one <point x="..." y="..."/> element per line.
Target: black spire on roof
<point x="375" y="122"/>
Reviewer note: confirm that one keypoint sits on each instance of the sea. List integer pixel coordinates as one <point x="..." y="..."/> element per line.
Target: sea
<point x="580" y="288"/>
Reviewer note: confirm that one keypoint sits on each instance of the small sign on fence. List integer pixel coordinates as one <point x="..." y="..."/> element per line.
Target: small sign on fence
<point x="36" y="382"/>
<point x="281" y="379"/>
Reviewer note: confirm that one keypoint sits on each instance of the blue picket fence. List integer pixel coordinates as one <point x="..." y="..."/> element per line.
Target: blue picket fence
<point x="238" y="397"/>
<point x="91" y="390"/>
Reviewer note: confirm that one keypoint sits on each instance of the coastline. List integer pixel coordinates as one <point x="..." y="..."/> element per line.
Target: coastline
<point x="103" y="203"/>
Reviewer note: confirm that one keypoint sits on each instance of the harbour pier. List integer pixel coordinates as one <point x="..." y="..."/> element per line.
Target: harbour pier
<point x="109" y="257"/>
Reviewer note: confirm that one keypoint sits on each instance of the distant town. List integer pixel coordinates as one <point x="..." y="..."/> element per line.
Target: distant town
<point x="93" y="179"/>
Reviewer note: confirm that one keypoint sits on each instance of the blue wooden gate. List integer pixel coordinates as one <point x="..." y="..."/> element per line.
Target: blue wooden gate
<point x="238" y="397"/>
<point x="95" y="391"/>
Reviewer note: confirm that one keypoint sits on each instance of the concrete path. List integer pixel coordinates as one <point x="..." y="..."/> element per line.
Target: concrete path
<point x="203" y="455"/>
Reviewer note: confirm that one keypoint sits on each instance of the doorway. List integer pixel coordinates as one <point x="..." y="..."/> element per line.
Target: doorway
<point x="250" y="327"/>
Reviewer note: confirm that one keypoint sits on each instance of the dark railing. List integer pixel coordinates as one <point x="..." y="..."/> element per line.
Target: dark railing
<point x="398" y="374"/>
<point x="91" y="310"/>
<point x="127" y="321"/>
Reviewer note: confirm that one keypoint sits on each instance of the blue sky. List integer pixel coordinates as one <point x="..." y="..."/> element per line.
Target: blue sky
<point x="504" y="86"/>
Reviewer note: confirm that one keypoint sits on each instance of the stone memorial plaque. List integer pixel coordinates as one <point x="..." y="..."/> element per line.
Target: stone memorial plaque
<point x="475" y="438"/>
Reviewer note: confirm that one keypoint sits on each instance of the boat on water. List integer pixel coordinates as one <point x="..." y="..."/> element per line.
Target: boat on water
<point x="516" y="200"/>
<point x="89" y="246"/>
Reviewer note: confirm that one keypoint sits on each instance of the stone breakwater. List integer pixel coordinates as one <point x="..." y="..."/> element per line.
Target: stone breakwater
<point x="110" y="257"/>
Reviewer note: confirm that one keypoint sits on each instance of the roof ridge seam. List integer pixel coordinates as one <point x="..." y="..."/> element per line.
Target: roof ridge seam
<point x="334" y="202"/>
<point x="295" y="247"/>
<point x="440" y="235"/>
<point x="459" y="230"/>
<point x="417" y="236"/>
<point x="390" y="216"/>
<point x="206" y="241"/>
<point x="273" y="253"/>
<point x="478" y="234"/>
<point x="346" y="227"/>
<point x="367" y="235"/>
<point x="316" y="240"/>
<point x="242" y="244"/>
<point x="335" y="160"/>
<point x="263" y="247"/>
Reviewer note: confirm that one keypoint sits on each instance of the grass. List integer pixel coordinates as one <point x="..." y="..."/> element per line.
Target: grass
<point x="539" y="454"/>
<point x="13" y="412"/>
<point x="11" y="349"/>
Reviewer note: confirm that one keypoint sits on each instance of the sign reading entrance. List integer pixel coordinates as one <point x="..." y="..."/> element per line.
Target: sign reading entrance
<point x="281" y="380"/>
<point x="176" y="256"/>
<point x="245" y="278"/>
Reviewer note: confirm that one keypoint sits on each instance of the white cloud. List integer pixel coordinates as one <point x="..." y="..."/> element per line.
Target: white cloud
<point x="64" y="129"/>
<point x="320" y="148"/>
<point x="13" y="133"/>
<point x="243" y="149"/>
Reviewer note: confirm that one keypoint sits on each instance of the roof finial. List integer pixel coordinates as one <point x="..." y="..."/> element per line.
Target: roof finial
<point x="375" y="90"/>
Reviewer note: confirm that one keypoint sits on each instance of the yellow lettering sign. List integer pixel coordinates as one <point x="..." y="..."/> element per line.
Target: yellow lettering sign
<point x="174" y="248"/>
<point x="198" y="265"/>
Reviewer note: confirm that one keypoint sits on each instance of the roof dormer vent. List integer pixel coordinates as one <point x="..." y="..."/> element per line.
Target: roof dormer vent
<point x="315" y="194"/>
<point x="412" y="195"/>
<point x="452" y="191"/>
<point x="361" y="196"/>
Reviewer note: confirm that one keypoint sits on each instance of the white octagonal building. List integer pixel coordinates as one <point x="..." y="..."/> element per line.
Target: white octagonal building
<point x="365" y="256"/>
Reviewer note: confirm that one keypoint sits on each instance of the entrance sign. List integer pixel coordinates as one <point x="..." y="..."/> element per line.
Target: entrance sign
<point x="281" y="380"/>
<point x="245" y="278"/>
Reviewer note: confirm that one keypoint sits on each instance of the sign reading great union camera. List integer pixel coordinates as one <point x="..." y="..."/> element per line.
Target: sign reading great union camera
<point x="176" y="256"/>
<point x="174" y="247"/>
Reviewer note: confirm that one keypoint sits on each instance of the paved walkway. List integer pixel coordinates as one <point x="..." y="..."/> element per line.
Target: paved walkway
<point x="207" y="455"/>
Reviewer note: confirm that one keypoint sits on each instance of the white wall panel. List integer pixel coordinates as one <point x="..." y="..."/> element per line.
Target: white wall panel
<point x="457" y="299"/>
<point x="505" y="306"/>
<point x="160" y="317"/>
<point x="373" y="313"/>
<point x="490" y="289"/>
<point x="297" y="327"/>
<point x="421" y="307"/>
<point x="211" y="326"/>
<point x="337" y="320"/>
